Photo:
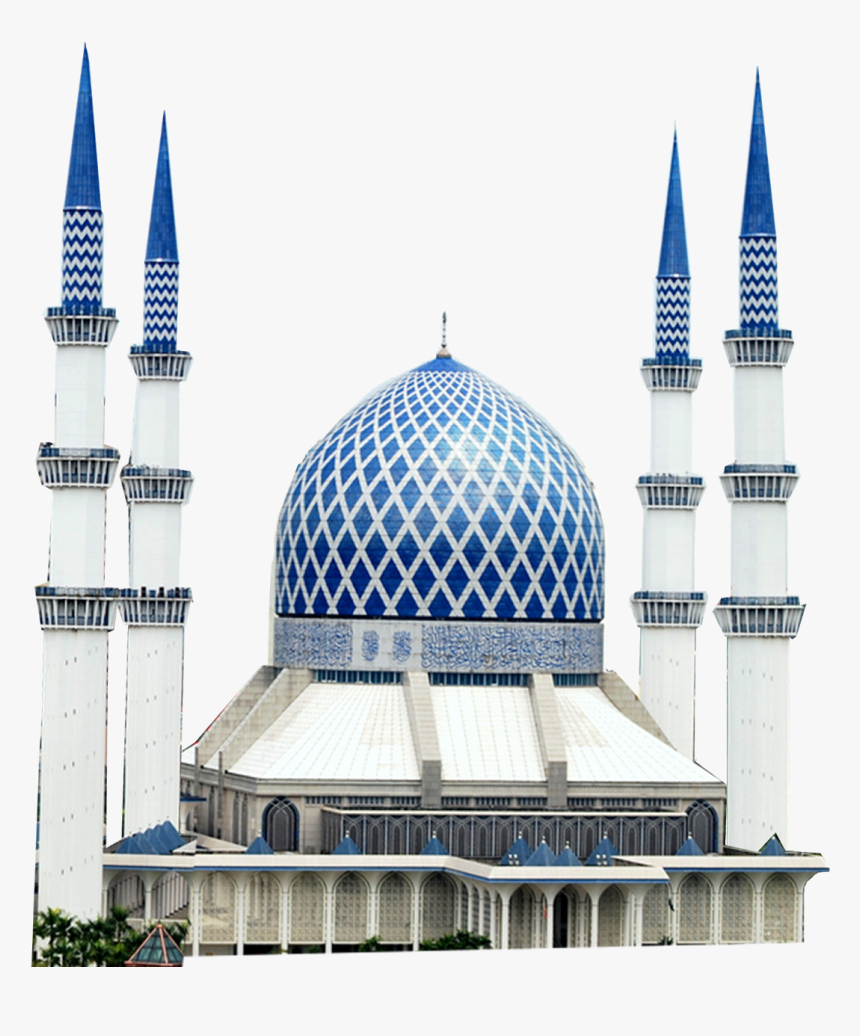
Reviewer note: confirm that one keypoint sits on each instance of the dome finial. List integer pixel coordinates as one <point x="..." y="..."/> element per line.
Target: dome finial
<point x="443" y="352"/>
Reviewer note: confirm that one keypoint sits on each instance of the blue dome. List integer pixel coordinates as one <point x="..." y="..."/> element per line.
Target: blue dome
<point x="441" y="495"/>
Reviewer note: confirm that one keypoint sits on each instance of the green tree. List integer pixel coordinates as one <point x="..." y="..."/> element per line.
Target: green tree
<point x="461" y="940"/>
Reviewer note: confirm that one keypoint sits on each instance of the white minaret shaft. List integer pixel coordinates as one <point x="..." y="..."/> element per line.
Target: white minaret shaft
<point x="76" y="611"/>
<point x="667" y="609"/>
<point x="155" y="487"/>
<point x="759" y="617"/>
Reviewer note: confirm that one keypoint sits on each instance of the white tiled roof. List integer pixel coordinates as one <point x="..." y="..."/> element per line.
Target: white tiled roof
<point x="356" y="732"/>
<point x="604" y="745"/>
<point x="487" y="734"/>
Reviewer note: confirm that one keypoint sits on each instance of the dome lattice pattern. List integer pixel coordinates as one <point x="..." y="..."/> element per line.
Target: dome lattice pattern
<point x="441" y="495"/>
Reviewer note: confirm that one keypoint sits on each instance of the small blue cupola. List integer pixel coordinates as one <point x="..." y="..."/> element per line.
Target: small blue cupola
<point x="259" y="847"/>
<point x="603" y="854"/>
<point x="434" y="848"/>
<point x="346" y="847"/>
<point x="543" y="856"/>
<point x="567" y="858"/>
<point x="690" y="848"/>
<point x="518" y="853"/>
<point x="773" y="847"/>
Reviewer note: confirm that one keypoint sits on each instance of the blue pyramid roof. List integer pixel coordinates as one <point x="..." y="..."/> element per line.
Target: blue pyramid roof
<point x="161" y="243"/>
<point x="543" y="856"/>
<point x="758" y="218"/>
<point x="773" y="847"/>
<point x="145" y="844"/>
<point x="521" y="849"/>
<point x="346" y="847"/>
<point x="155" y="835"/>
<point x="434" y="848"/>
<point x="82" y="187"/>
<point x="172" y="838"/>
<point x="129" y="846"/>
<point x="673" y="251"/>
<point x="567" y="858"/>
<point x="690" y="848"/>
<point x="259" y="847"/>
<point x="602" y="854"/>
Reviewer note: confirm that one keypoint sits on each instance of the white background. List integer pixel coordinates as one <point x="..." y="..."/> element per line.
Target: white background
<point x="344" y="172"/>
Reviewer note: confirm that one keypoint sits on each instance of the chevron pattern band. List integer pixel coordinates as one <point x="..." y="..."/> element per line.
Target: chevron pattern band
<point x="672" y="333"/>
<point x="160" y="306"/>
<point x="758" y="285"/>
<point x="82" y="258"/>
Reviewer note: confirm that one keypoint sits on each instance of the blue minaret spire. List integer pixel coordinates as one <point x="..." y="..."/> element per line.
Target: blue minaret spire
<point x="82" y="211"/>
<point x="161" y="268"/>
<point x="759" y="309"/>
<point x="672" y="331"/>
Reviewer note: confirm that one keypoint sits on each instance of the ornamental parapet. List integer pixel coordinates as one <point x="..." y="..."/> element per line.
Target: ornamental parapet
<point x="758" y="347"/>
<point x="151" y="607"/>
<point x="150" y="485"/>
<point x="682" y="374"/>
<point x="670" y="491"/>
<point x="759" y="616"/>
<point x="159" y="366"/>
<point x="77" y="607"/>
<point x="669" y="607"/>
<point x="72" y="467"/>
<point x="81" y="325"/>
<point x="755" y="483"/>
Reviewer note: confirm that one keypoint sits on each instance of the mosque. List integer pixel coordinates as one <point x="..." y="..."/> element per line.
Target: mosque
<point x="434" y="742"/>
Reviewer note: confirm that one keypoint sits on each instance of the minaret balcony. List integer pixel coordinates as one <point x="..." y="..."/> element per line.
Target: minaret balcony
<point x="153" y="366"/>
<point x="670" y="491"/>
<point x="68" y="327"/>
<point x="150" y="607"/>
<point x="72" y="467"/>
<point x="759" y="483"/>
<point x="769" y="347"/>
<point x="77" y="607"/>
<point x="759" y="616"/>
<point x="146" y="485"/>
<point x="675" y="608"/>
<point x="681" y="375"/>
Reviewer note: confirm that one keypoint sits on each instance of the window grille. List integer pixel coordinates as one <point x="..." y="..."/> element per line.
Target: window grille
<point x="780" y="908"/>
<point x="218" y="909"/>
<point x="352" y="676"/>
<point x="475" y="897"/>
<point x="655" y="915"/>
<point x="456" y="800"/>
<point x="280" y="823"/>
<point x="479" y="679"/>
<point x="395" y="909"/>
<point x="366" y="800"/>
<point x="307" y="909"/>
<point x="350" y="909"/>
<point x="702" y="825"/>
<point x="736" y="900"/>
<point x="660" y="803"/>
<point x="574" y="679"/>
<point x="324" y="800"/>
<point x="521" y="922"/>
<point x="485" y="901"/>
<point x="263" y="909"/>
<point x="492" y="800"/>
<point x="694" y="921"/>
<point x="532" y="800"/>
<point x="610" y="918"/>
<point x="438" y="907"/>
<point x="464" y="908"/>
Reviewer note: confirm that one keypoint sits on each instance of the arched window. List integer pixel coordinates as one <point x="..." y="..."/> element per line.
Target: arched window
<point x="780" y="909"/>
<point x="281" y="825"/>
<point x="169" y="895"/>
<point x="307" y="909"/>
<point x="521" y="924"/>
<point x="350" y="909"/>
<point x="610" y="918"/>
<point x="702" y="825"/>
<point x="218" y="909"/>
<point x="438" y="907"/>
<point x="263" y="909"/>
<point x="395" y="909"/>
<point x="655" y="916"/>
<point x="737" y="897"/>
<point x="694" y="920"/>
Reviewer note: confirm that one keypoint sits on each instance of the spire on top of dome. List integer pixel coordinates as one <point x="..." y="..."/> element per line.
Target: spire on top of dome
<point x="673" y="251"/>
<point x="758" y="220"/>
<point x="443" y="351"/>
<point x="161" y="244"/>
<point x="82" y="186"/>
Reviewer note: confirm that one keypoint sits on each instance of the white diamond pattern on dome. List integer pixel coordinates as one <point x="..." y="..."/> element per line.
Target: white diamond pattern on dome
<point x="439" y="496"/>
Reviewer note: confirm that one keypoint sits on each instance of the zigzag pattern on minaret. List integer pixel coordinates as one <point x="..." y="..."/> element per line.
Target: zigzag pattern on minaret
<point x="672" y="326"/>
<point x="82" y="257"/>
<point x="758" y="283"/>
<point x="160" y="305"/>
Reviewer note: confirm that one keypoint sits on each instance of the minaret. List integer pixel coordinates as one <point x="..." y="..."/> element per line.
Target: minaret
<point x="668" y="610"/>
<point x="155" y="487"/>
<point x="76" y="610"/>
<point x="759" y="618"/>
